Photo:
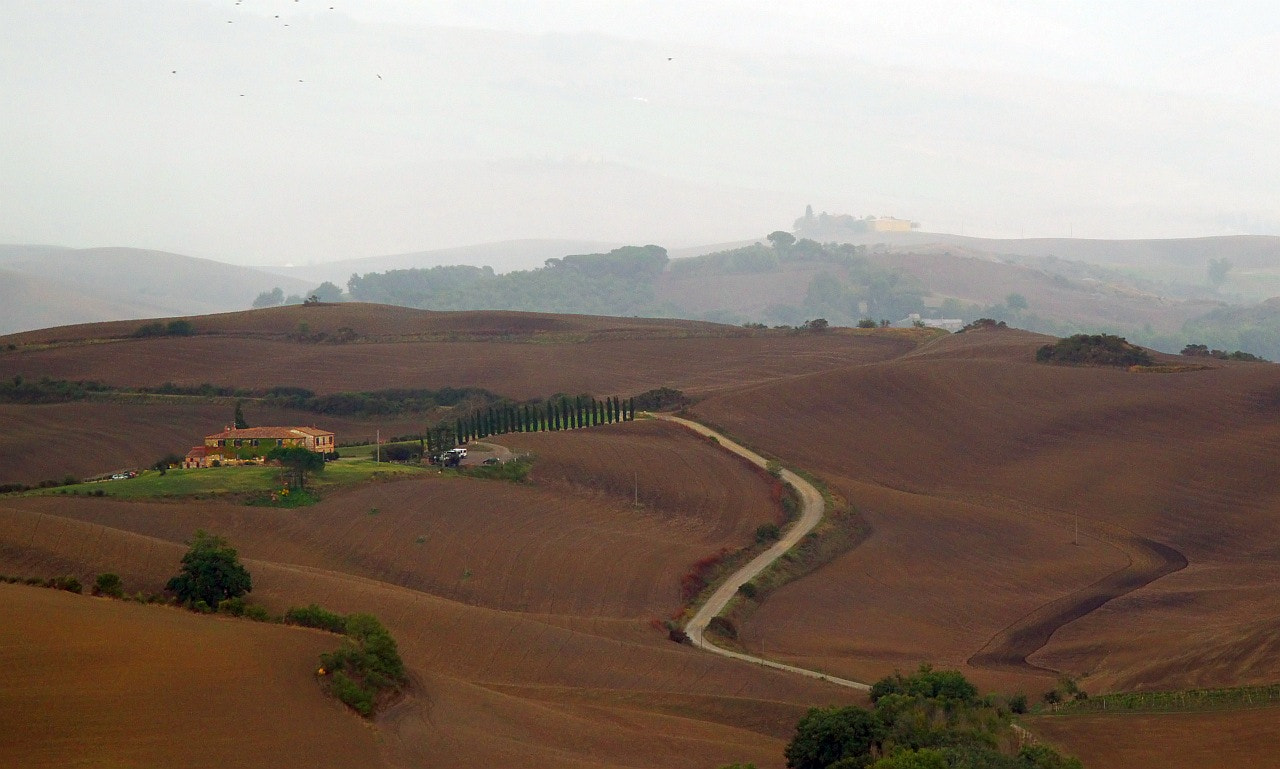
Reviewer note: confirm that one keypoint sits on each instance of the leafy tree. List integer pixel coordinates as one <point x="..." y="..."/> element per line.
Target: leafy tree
<point x="272" y="298"/>
<point x="1016" y="302"/>
<point x="211" y="572"/>
<point x="299" y="460"/>
<point x="1218" y="269"/>
<point x="781" y="240"/>
<point x="826" y="735"/>
<point x="927" y="758"/>
<point x="327" y="292"/>
<point x="240" y="422"/>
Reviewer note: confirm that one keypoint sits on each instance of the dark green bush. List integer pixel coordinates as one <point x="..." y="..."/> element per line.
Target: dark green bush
<point x="1094" y="350"/>
<point x="748" y="589"/>
<point x="767" y="532"/>
<point x="109" y="584"/>
<point x="316" y="617"/>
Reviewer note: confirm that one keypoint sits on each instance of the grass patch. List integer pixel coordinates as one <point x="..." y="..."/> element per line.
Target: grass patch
<point x="1170" y="368"/>
<point x="256" y="482"/>
<point x="515" y="471"/>
<point x="1189" y="700"/>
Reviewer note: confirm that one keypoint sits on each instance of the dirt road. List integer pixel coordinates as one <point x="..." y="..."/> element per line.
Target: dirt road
<point x="811" y="509"/>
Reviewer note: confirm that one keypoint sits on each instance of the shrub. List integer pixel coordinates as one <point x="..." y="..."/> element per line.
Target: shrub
<point x="366" y="666"/>
<point x="1018" y="703"/>
<point x="108" y="584"/>
<point x="774" y="468"/>
<point x="767" y="532"/>
<point x="983" y="324"/>
<point x="233" y="606"/>
<point x="748" y="589"/>
<point x="866" y="323"/>
<point x="68" y="583"/>
<point x="1094" y="350"/>
<point x="256" y="613"/>
<point x="316" y="617"/>
<point x="723" y="626"/>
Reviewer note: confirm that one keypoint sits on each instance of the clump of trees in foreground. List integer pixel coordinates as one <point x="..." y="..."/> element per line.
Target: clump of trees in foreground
<point x="931" y="719"/>
<point x="1094" y="350"/>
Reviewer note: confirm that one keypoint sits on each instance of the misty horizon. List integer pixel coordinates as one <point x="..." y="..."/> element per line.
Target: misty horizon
<point x="220" y="131"/>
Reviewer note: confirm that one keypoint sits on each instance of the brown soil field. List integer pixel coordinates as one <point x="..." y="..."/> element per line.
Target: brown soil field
<point x="538" y="548"/>
<point x="377" y="321"/>
<point x="519" y="369"/>
<point x="1218" y="740"/>
<point x="79" y="439"/>
<point x="1024" y="520"/>
<point x="93" y="682"/>
<point x="973" y="465"/>
<point x="524" y="614"/>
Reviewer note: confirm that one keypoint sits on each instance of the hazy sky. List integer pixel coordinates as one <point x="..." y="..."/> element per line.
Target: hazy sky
<point x="269" y="131"/>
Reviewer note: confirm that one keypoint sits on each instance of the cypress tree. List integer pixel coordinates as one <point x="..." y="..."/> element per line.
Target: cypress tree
<point x="457" y="434"/>
<point x="631" y="406"/>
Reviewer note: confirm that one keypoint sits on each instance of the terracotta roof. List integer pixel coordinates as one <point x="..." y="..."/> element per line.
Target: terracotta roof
<point x="198" y="451"/>
<point x="269" y="432"/>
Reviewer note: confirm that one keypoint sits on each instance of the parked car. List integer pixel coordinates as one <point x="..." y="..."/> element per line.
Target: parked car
<point x="120" y="476"/>
<point x="492" y="461"/>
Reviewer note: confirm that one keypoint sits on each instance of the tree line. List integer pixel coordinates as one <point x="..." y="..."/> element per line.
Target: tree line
<point x="554" y="414"/>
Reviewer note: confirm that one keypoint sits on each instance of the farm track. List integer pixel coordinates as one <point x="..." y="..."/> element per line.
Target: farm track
<point x="812" y="507"/>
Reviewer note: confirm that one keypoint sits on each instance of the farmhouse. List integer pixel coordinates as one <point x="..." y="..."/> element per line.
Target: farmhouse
<point x="251" y="444"/>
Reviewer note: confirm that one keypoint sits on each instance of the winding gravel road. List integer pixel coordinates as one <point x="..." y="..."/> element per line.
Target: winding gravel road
<point x="811" y="509"/>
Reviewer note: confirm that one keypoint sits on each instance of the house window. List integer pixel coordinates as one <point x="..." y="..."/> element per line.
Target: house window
<point x="254" y="442"/>
<point x="238" y="441"/>
<point x="279" y="442"/>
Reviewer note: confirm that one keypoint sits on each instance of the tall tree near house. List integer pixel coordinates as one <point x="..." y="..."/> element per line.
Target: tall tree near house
<point x="240" y="423"/>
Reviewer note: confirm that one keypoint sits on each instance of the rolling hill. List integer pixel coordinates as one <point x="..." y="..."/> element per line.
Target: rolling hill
<point x="1024" y="521"/>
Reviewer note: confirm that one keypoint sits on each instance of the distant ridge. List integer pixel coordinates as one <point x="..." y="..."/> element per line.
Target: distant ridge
<point x="50" y="285"/>
<point x="502" y="256"/>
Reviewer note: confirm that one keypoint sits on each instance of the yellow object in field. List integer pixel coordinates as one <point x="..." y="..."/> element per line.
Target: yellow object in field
<point x="320" y="672"/>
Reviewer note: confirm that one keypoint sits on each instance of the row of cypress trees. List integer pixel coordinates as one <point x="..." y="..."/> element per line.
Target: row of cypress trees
<point x="562" y="413"/>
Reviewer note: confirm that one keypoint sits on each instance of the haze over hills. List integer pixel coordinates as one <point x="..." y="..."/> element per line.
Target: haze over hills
<point x="78" y="285"/>
<point x="503" y="256"/>
<point x="1157" y="292"/>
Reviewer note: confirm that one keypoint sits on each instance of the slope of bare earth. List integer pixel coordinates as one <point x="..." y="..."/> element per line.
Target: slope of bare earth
<point x="974" y="464"/>
<point x="524" y="613"/>
<point x="93" y="682"/>
<point x="1221" y="740"/>
<point x="542" y="547"/>
<point x="522" y="355"/>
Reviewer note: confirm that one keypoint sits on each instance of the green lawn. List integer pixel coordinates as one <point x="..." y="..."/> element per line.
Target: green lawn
<point x="233" y="480"/>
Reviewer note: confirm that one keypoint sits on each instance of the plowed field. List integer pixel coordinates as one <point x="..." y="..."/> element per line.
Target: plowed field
<point x="90" y="682"/>
<point x="523" y="612"/>
<point x="975" y="465"/>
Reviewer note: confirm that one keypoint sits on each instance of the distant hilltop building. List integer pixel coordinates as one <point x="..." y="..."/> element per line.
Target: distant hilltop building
<point x="251" y="444"/>
<point x="890" y="224"/>
<point x="824" y="225"/>
<point x="949" y="324"/>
